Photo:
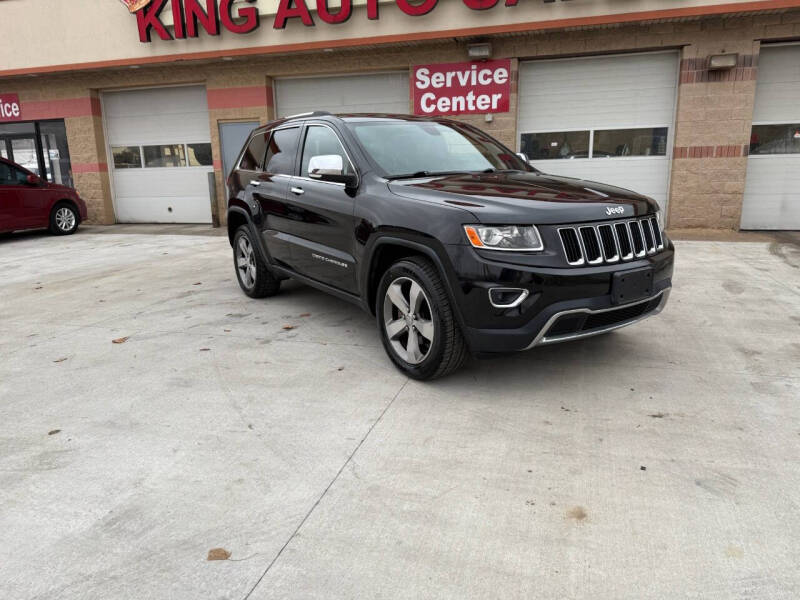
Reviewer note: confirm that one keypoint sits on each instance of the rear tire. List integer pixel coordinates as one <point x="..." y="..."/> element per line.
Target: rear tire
<point x="416" y="320"/>
<point x="252" y="271"/>
<point x="64" y="219"/>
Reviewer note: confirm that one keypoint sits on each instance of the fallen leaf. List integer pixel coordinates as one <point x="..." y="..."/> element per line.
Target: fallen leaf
<point x="121" y="340"/>
<point x="306" y="315"/>
<point x="577" y="513"/>
<point x="53" y="432"/>
<point x="218" y="554"/>
<point x="60" y="360"/>
<point x="288" y="327"/>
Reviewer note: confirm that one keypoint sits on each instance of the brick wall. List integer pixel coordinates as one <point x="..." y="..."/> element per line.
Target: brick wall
<point x="713" y="113"/>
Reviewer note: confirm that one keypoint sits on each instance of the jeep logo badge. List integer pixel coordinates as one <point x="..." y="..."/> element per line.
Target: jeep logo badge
<point x="615" y="210"/>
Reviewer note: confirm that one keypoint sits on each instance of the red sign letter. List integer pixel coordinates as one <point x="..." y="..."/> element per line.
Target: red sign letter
<point x="372" y="9"/>
<point x="285" y="11"/>
<point x="480" y="4"/>
<point x="339" y="17"/>
<point x="249" y="14"/>
<point x="207" y="18"/>
<point x="9" y="108"/>
<point x="416" y="10"/>
<point x="147" y="19"/>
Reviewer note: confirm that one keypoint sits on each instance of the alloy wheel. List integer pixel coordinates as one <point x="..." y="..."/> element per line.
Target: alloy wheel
<point x="65" y="219"/>
<point x="408" y="320"/>
<point x="246" y="262"/>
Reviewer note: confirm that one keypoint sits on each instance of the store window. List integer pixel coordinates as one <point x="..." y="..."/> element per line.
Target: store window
<point x="556" y="144"/>
<point x="127" y="157"/>
<point x="171" y="155"/>
<point x="775" y="139"/>
<point x="199" y="155"/>
<point x="598" y="143"/>
<point x="651" y="141"/>
<point x="40" y="147"/>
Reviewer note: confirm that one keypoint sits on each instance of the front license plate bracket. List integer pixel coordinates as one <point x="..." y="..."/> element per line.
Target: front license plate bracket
<point x="632" y="285"/>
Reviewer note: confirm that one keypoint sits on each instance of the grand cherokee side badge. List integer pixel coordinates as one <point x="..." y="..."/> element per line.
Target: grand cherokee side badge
<point x="615" y="210"/>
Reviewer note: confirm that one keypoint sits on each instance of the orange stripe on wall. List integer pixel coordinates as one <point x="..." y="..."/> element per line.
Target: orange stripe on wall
<point x="239" y="97"/>
<point x="61" y="109"/>
<point x="521" y="27"/>
<point x="89" y="167"/>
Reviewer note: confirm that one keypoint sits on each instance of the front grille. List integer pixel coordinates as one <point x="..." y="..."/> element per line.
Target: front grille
<point x="611" y="242"/>
<point x="575" y="323"/>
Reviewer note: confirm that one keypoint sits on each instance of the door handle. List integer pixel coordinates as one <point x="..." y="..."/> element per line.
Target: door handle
<point x="255" y="183"/>
<point x="298" y="191"/>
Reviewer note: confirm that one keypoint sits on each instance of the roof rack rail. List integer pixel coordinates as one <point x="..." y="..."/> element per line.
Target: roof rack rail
<point x="316" y="113"/>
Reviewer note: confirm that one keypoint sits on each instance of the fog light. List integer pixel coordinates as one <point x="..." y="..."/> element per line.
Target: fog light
<point x="501" y="297"/>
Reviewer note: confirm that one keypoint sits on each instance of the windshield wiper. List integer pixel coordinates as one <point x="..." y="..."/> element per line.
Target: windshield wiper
<point x="424" y="174"/>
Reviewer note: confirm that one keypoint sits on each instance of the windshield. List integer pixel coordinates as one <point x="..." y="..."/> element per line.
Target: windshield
<point x="406" y="148"/>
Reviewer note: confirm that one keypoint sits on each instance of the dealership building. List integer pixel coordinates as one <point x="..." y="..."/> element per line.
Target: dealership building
<point x="695" y="103"/>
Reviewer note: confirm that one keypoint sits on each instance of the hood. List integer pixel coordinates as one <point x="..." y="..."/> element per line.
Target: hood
<point x="59" y="187"/>
<point x="535" y="197"/>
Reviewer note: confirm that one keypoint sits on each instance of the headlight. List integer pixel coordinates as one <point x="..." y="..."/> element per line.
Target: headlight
<point x="519" y="238"/>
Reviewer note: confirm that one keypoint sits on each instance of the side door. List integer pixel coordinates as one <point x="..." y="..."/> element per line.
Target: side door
<point x="270" y="191"/>
<point x="322" y="226"/>
<point x="8" y="198"/>
<point x="259" y="191"/>
<point x="13" y="187"/>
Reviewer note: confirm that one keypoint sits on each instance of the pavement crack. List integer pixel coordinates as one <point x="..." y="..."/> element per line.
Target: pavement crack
<point x="327" y="488"/>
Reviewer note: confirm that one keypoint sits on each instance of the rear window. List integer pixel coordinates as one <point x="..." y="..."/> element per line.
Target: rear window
<point x="253" y="156"/>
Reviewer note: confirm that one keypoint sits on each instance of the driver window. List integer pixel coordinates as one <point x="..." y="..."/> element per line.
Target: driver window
<point x="321" y="141"/>
<point x="12" y="176"/>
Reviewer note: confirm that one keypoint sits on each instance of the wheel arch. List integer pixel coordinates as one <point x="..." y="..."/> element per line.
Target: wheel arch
<point x="69" y="201"/>
<point x="386" y="251"/>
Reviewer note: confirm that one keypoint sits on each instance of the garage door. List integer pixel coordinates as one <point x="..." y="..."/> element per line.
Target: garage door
<point x="375" y="93"/>
<point x="607" y="119"/>
<point x="772" y="190"/>
<point x="160" y="149"/>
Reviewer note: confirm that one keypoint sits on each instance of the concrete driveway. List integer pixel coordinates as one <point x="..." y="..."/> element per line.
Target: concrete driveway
<point x="657" y="462"/>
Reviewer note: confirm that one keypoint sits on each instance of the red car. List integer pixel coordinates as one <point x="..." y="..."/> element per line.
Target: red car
<point x="28" y="202"/>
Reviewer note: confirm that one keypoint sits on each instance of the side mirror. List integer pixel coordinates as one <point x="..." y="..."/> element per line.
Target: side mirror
<point x="33" y="179"/>
<point x="524" y="157"/>
<point x="330" y="167"/>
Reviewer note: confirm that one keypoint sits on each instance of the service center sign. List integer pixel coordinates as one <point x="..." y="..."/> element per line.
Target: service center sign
<point x="10" y="109"/>
<point x="462" y="88"/>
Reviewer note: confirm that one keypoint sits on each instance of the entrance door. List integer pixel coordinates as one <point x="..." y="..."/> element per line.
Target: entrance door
<point x="232" y="137"/>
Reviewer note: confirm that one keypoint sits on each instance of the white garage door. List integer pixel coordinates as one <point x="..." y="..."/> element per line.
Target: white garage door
<point x="605" y="118"/>
<point x="160" y="158"/>
<point x="375" y="93"/>
<point x="772" y="191"/>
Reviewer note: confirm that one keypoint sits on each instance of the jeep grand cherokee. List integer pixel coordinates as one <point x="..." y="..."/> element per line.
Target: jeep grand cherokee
<point x="451" y="240"/>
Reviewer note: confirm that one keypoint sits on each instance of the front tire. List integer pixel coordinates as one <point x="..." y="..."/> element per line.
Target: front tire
<point x="252" y="271"/>
<point x="64" y="219"/>
<point x="416" y="320"/>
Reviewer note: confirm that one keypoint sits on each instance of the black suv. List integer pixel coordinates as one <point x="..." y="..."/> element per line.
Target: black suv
<point x="449" y="238"/>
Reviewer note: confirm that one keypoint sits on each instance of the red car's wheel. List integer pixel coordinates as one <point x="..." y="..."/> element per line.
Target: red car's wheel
<point x="64" y="219"/>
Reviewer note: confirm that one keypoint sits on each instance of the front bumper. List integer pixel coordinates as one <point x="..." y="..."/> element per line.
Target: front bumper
<point x="562" y="303"/>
